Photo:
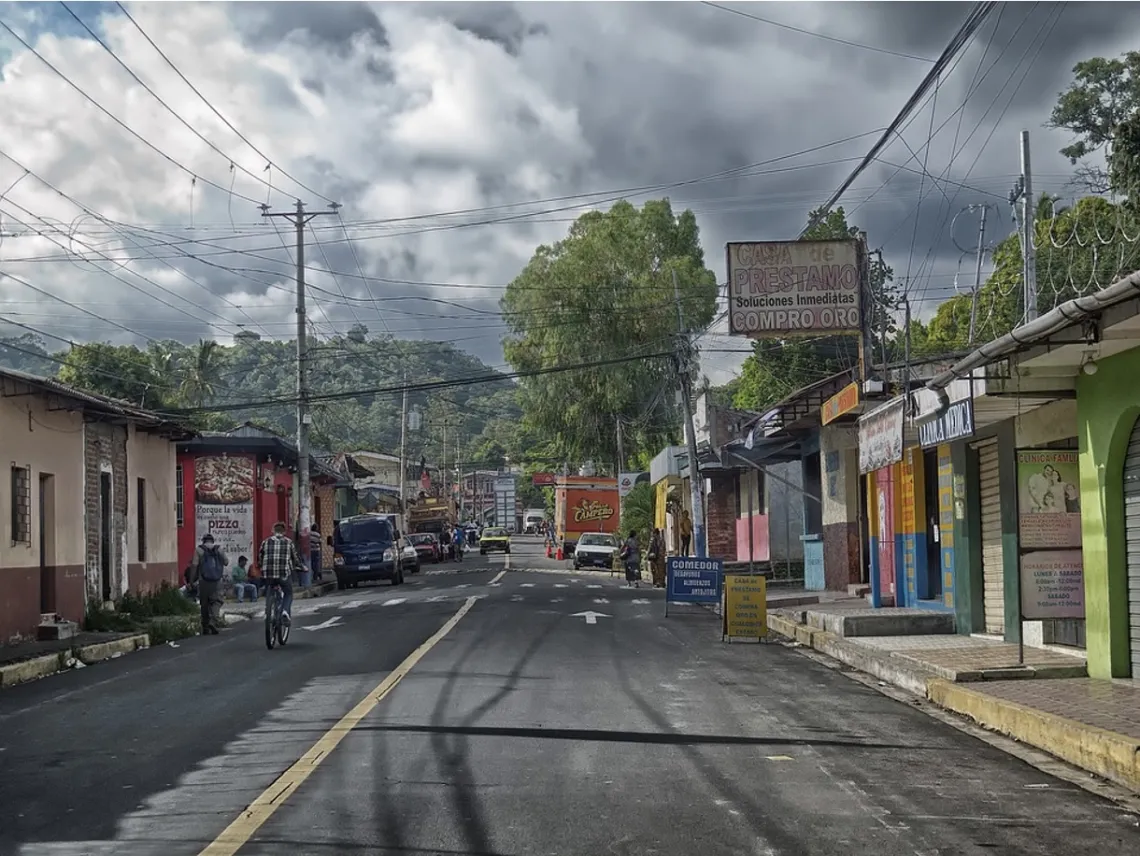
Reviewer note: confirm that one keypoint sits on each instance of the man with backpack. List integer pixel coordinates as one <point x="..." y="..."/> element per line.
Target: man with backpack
<point x="207" y="568"/>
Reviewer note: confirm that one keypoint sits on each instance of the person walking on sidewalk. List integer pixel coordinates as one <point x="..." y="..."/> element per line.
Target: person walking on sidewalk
<point x="656" y="557"/>
<point x="631" y="555"/>
<point x="686" y="532"/>
<point x="278" y="558"/>
<point x="207" y="568"/>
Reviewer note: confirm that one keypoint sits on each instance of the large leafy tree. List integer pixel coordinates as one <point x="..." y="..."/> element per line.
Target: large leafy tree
<point x="778" y="367"/>
<point x="1104" y="93"/>
<point x="606" y="292"/>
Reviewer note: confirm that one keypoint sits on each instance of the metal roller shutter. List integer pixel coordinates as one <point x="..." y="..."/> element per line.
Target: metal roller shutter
<point x="993" y="570"/>
<point x="1132" y="543"/>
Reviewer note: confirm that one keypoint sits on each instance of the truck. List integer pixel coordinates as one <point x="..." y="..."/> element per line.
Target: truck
<point x="533" y="519"/>
<point x="505" y="502"/>
<point x="431" y="514"/>
<point x="584" y="504"/>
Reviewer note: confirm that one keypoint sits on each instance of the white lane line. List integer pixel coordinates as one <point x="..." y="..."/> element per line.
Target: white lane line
<point x="464" y="585"/>
<point x="594" y="585"/>
<point x="560" y="585"/>
<point x="353" y="604"/>
<point x="527" y="585"/>
<point x="436" y="599"/>
<point x="396" y="601"/>
<point x="640" y="601"/>
<point x="516" y="598"/>
<point x="507" y="561"/>
<point x="600" y="600"/>
<point x="557" y="599"/>
<point x="495" y="585"/>
<point x="498" y="577"/>
<point x="325" y="625"/>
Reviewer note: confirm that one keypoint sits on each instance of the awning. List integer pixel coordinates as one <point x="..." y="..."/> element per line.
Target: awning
<point x="764" y="451"/>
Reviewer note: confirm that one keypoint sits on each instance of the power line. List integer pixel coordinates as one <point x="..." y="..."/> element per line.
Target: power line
<point x="823" y="36"/>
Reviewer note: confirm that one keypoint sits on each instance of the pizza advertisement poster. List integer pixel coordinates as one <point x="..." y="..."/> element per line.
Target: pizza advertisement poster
<point x="224" y="489"/>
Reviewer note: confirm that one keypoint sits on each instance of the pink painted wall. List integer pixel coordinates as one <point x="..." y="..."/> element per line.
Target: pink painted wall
<point x="760" y="550"/>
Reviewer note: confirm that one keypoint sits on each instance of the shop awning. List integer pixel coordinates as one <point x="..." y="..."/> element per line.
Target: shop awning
<point x="763" y="451"/>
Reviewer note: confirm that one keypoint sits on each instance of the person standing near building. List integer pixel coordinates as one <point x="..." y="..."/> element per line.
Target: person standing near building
<point x="207" y="568"/>
<point x="656" y="557"/>
<point x="686" y="532"/>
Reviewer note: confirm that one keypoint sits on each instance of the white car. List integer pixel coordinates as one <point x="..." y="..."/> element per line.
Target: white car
<point x="595" y="550"/>
<point x="409" y="557"/>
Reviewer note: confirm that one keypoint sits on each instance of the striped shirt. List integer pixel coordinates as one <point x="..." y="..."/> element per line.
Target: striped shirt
<point x="278" y="557"/>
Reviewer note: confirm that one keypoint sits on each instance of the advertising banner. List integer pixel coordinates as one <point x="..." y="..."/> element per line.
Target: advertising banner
<point x="881" y="436"/>
<point x="1048" y="499"/>
<point x="778" y="289"/>
<point x="690" y="580"/>
<point x="745" y="607"/>
<point x="957" y="423"/>
<point x="844" y="401"/>
<point x="1052" y="585"/>
<point x="223" y="503"/>
<point x="627" y="481"/>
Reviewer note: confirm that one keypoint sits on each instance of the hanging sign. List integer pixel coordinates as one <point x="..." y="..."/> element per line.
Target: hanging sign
<point x="956" y="423"/>
<point x="881" y="436"/>
<point x="844" y="401"/>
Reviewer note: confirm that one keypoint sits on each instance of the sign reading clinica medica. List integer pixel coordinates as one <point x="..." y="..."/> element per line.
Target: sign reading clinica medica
<point x="955" y="423"/>
<point x="786" y="288"/>
<point x="881" y="436"/>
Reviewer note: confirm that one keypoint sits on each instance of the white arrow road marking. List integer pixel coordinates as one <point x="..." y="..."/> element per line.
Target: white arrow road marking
<point x="498" y="577"/>
<point x="594" y="585"/>
<point x="591" y="616"/>
<point x="325" y="625"/>
<point x="575" y="581"/>
<point x="600" y="600"/>
<point x="396" y="601"/>
<point x="494" y="585"/>
<point x="557" y="599"/>
<point x="640" y="601"/>
<point x="353" y="604"/>
<point x="526" y="585"/>
<point x="560" y="585"/>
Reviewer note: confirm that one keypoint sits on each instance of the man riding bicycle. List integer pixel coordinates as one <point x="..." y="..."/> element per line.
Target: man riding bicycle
<point x="278" y="558"/>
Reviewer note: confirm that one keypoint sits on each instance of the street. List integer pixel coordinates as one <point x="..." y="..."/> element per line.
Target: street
<point x="562" y="713"/>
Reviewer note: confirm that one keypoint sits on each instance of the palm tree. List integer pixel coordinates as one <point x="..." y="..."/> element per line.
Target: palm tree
<point x="637" y="513"/>
<point x="202" y="376"/>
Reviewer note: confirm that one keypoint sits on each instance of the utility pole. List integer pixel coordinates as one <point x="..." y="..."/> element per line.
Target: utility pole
<point x="978" y="269"/>
<point x="300" y="219"/>
<point x="404" y="457"/>
<point x="684" y="367"/>
<point x="1028" y="219"/>
<point x="620" y="450"/>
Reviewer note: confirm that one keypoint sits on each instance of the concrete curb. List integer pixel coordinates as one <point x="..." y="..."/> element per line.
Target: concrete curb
<point x="50" y="664"/>
<point x="1111" y="756"/>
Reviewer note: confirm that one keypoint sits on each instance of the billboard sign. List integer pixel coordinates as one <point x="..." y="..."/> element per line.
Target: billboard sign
<point x="778" y="289"/>
<point x="956" y="423"/>
<point x="223" y="503"/>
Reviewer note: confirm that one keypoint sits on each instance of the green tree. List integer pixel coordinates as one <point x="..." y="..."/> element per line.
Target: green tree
<point x="1124" y="163"/>
<point x="117" y="371"/>
<point x="778" y="367"/>
<point x="1104" y="93"/>
<point x="201" y="375"/>
<point x="637" y="513"/>
<point x="604" y="292"/>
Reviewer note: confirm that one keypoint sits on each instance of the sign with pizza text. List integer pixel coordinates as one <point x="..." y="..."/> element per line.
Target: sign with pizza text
<point x="223" y="503"/>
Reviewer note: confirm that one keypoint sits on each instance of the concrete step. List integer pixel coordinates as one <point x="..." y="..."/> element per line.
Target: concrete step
<point x="881" y="622"/>
<point x="858" y="590"/>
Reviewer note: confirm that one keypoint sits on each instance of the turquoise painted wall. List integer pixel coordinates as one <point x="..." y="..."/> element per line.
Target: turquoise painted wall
<point x="1107" y="408"/>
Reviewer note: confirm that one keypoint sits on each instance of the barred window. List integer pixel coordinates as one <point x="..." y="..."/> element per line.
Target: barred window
<point x="21" y="505"/>
<point x="179" y="507"/>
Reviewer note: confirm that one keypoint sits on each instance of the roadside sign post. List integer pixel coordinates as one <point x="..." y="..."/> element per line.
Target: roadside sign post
<point x="745" y="608"/>
<point x="690" y="580"/>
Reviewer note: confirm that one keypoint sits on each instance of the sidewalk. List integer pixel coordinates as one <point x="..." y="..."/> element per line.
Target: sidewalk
<point x="1048" y="703"/>
<point x="28" y="661"/>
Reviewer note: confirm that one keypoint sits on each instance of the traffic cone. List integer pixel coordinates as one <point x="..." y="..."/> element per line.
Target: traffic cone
<point x="548" y="551"/>
<point x="560" y="554"/>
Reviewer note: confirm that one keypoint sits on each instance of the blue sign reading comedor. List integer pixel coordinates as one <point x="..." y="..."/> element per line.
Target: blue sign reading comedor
<point x="689" y="580"/>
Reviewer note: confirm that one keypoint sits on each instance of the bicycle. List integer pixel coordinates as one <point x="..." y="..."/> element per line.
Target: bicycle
<point x="276" y="630"/>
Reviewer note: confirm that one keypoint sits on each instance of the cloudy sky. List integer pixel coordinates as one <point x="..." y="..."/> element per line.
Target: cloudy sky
<point x="458" y="136"/>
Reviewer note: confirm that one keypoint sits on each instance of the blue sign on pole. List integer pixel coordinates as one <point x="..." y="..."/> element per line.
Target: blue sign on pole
<point x="689" y="580"/>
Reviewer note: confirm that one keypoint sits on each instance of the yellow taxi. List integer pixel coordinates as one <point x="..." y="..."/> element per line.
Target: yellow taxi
<point x="494" y="538"/>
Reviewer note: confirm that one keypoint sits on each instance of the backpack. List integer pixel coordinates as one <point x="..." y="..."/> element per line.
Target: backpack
<point x="212" y="567"/>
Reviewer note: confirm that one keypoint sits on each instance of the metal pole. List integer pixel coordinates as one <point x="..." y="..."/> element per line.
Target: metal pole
<point x="695" y="486"/>
<point x="620" y="449"/>
<point x="304" y="523"/>
<point x="1029" y="217"/>
<point x="404" y="457"/>
<point x="978" y="273"/>
<point x="751" y="511"/>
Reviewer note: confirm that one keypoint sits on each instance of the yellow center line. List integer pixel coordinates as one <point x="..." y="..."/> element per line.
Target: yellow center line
<point x="498" y="577"/>
<point x="238" y="833"/>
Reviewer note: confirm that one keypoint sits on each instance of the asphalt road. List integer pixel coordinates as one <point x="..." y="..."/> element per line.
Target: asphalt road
<point x="524" y="730"/>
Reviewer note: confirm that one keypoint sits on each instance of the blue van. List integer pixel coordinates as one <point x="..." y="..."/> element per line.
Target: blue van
<point x="365" y="548"/>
